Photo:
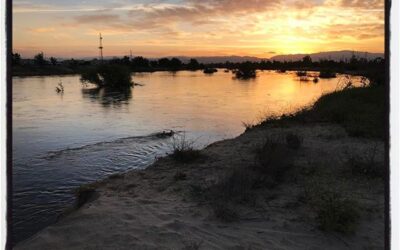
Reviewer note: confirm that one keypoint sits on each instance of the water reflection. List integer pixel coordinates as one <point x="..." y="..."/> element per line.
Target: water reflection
<point x="108" y="97"/>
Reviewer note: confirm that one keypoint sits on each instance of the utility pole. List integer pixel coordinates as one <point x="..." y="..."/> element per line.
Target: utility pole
<point x="131" y="55"/>
<point x="101" y="48"/>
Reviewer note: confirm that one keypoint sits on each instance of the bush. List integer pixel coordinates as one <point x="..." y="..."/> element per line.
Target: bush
<point x="274" y="159"/>
<point x="108" y="75"/>
<point x="334" y="212"/>
<point x="183" y="150"/>
<point x="367" y="166"/>
<point x="233" y="188"/>
<point x="361" y="111"/>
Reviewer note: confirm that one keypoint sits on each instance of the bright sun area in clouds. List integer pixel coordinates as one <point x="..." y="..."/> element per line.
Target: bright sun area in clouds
<point x="156" y="28"/>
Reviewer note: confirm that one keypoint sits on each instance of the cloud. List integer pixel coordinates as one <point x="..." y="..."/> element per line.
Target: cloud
<point x="246" y="26"/>
<point x="88" y="19"/>
<point x="359" y="4"/>
<point x="42" y="30"/>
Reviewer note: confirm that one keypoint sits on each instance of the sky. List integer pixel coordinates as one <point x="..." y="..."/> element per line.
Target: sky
<point x="157" y="28"/>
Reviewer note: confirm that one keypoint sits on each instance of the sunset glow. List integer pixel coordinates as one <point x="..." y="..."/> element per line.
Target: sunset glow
<point x="154" y="28"/>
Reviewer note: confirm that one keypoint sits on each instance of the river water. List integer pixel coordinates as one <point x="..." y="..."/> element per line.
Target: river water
<point x="61" y="141"/>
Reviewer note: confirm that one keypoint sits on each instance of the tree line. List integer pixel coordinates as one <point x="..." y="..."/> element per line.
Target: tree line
<point x="142" y="64"/>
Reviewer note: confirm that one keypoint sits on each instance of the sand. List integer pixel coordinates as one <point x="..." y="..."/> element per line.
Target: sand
<point x="150" y="209"/>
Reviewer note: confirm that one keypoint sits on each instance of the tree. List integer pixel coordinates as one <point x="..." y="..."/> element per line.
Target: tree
<point x="307" y="60"/>
<point x="164" y="62"/>
<point x="39" y="59"/>
<point x="53" y="61"/>
<point x="193" y="64"/>
<point x="111" y="76"/>
<point x="16" y="59"/>
<point x="246" y="71"/>
<point x="175" y="63"/>
<point x="140" y="62"/>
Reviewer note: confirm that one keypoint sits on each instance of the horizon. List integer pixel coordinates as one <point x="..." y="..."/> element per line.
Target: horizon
<point x="194" y="57"/>
<point x="166" y="28"/>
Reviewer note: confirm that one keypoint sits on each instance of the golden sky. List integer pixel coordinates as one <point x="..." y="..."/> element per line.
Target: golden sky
<point x="155" y="28"/>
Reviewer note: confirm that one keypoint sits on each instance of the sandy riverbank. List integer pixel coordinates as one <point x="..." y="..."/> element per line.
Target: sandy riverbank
<point x="156" y="208"/>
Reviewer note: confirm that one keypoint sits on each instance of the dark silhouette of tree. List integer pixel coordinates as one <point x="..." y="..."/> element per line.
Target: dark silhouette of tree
<point x="154" y="64"/>
<point x="39" y="59"/>
<point x="193" y="64"/>
<point x="246" y="71"/>
<point x="163" y="62"/>
<point x="125" y="60"/>
<point x="16" y="59"/>
<point x="140" y="62"/>
<point x="307" y="61"/>
<point x="175" y="64"/>
<point x="53" y="61"/>
<point x="112" y="76"/>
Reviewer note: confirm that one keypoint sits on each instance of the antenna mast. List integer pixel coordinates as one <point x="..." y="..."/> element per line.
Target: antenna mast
<point x="101" y="47"/>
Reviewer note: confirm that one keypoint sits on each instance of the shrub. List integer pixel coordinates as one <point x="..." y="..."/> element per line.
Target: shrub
<point x="248" y="125"/>
<point x="366" y="166"/>
<point x="361" y="111"/>
<point x="334" y="211"/>
<point x="274" y="159"/>
<point x="230" y="189"/>
<point x="235" y="186"/>
<point x="108" y="75"/>
<point x="183" y="150"/>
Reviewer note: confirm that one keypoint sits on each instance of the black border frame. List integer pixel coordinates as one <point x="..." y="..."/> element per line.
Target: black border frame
<point x="9" y="140"/>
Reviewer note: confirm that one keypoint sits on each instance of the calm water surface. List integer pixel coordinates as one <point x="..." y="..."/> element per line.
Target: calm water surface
<point x="63" y="141"/>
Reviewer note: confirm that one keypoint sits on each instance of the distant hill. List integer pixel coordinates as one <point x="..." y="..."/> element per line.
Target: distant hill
<point x="220" y="59"/>
<point x="330" y="55"/>
<point x="333" y="55"/>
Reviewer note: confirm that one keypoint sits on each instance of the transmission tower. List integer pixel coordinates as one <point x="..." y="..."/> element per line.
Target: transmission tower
<point x="101" y="47"/>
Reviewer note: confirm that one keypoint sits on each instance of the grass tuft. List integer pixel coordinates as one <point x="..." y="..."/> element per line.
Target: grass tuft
<point x="365" y="166"/>
<point x="184" y="151"/>
<point x="334" y="211"/>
